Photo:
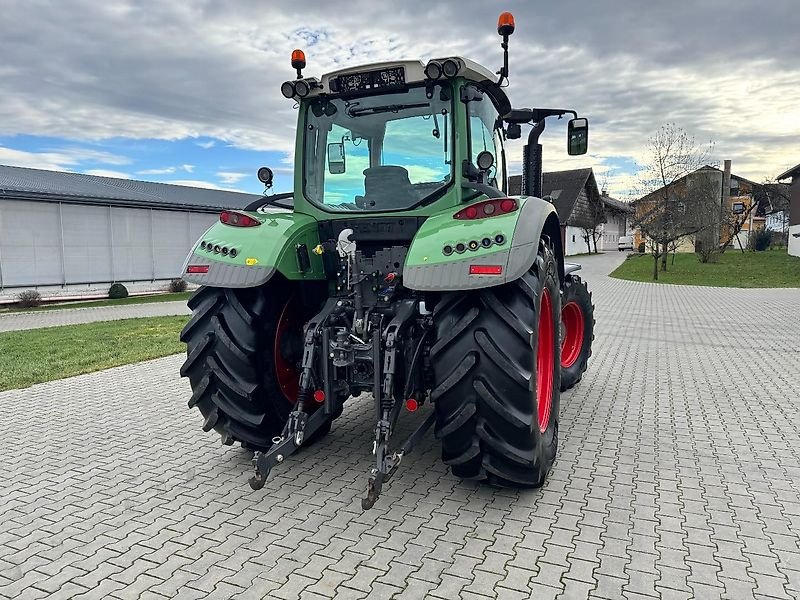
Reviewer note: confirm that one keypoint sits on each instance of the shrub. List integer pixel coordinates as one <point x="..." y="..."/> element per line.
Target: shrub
<point x="641" y="248"/>
<point x="29" y="299"/>
<point x="177" y="285"/>
<point x="759" y="240"/>
<point x="117" y="290"/>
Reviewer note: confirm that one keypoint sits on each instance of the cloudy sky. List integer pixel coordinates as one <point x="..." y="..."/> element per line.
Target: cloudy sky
<point x="188" y="91"/>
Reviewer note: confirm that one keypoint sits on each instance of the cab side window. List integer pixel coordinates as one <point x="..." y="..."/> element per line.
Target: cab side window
<point x="484" y="137"/>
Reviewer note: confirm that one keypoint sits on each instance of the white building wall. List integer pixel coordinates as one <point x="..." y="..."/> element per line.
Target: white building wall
<point x="575" y="244"/>
<point x="610" y="232"/>
<point x="74" y="245"/>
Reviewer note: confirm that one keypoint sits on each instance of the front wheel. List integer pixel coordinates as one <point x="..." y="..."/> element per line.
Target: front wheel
<point x="497" y="377"/>
<point x="577" y="330"/>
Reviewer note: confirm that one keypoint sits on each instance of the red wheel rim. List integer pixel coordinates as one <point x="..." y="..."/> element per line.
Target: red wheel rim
<point x="291" y="320"/>
<point x="545" y="361"/>
<point x="572" y="321"/>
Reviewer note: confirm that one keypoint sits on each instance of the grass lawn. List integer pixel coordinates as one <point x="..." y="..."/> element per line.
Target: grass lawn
<point x="107" y="302"/>
<point x="768" y="269"/>
<point x="38" y="355"/>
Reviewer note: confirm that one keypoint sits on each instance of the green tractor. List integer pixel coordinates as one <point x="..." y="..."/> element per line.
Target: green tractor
<point x="399" y="267"/>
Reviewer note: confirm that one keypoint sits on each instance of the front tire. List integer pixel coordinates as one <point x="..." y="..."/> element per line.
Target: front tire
<point x="497" y="378"/>
<point x="577" y="330"/>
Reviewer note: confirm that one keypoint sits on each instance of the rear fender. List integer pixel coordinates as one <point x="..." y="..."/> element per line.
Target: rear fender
<point x="427" y="268"/>
<point x="260" y="252"/>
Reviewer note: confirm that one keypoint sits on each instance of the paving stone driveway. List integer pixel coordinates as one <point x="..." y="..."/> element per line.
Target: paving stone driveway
<point x="73" y="316"/>
<point x="678" y="476"/>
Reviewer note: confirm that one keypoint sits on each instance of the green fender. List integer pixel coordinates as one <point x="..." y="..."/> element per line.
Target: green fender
<point x="428" y="268"/>
<point x="260" y="252"/>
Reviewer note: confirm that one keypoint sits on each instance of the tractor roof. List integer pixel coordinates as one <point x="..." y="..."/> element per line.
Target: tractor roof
<point x="415" y="70"/>
<point x="415" y="74"/>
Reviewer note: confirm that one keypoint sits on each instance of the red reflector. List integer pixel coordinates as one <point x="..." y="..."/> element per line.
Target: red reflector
<point x="486" y="269"/>
<point x="319" y="396"/>
<point x="197" y="269"/>
<point x="412" y="405"/>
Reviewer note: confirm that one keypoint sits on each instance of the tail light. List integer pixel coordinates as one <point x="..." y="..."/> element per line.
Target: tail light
<point x="237" y="219"/>
<point x="487" y="208"/>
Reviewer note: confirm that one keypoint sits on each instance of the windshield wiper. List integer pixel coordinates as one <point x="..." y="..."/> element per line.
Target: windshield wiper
<point x="374" y="110"/>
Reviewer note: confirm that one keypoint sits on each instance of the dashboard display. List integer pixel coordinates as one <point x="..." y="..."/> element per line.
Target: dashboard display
<point x="381" y="79"/>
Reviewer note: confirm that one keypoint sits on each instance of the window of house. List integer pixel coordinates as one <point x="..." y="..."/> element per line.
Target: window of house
<point x="738" y="208"/>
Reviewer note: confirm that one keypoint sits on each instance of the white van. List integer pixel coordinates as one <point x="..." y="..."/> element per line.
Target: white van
<point x="625" y="243"/>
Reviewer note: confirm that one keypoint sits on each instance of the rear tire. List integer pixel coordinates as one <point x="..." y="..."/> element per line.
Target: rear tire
<point x="577" y="330"/>
<point x="496" y="378"/>
<point x="231" y="362"/>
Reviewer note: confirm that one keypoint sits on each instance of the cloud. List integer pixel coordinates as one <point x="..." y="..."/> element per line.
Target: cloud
<point x="229" y="177"/>
<point x="107" y="173"/>
<point x="79" y="154"/>
<point x="200" y="69"/>
<point x="164" y="171"/>
<point x="206" y="145"/>
<point x="63" y="159"/>
<point x="200" y="183"/>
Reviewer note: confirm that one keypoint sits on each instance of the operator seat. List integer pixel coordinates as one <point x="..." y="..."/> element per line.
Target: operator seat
<point x="385" y="188"/>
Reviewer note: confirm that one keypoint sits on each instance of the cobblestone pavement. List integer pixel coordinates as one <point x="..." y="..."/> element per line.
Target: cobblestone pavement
<point x="678" y="476"/>
<point x="73" y="316"/>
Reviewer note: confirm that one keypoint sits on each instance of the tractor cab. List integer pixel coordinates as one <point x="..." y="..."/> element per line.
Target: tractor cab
<point x="396" y="136"/>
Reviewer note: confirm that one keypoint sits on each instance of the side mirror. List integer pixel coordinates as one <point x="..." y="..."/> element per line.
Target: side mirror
<point x="577" y="136"/>
<point x="336" y="161"/>
<point x="513" y="131"/>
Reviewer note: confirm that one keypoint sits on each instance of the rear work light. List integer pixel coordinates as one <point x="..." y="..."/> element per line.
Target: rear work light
<point x="487" y="208"/>
<point x="486" y="269"/>
<point x="237" y="219"/>
<point x="197" y="269"/>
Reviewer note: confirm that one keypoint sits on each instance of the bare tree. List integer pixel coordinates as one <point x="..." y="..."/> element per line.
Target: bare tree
<point x="666" y="211"/>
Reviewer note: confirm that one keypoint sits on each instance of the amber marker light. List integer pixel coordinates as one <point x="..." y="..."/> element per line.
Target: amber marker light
<point x="505" y="24"/>
<point x="298" y="61"/>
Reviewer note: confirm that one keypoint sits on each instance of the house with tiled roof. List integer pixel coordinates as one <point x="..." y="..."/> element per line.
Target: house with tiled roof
<point x="580" y="205"/>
